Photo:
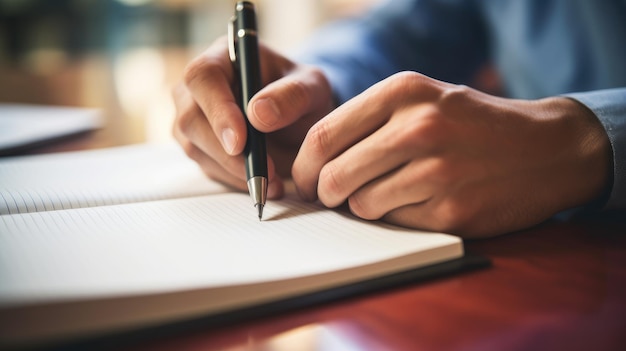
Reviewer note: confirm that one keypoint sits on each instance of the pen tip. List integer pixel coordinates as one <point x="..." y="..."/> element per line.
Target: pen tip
<point x="260" y="209"/>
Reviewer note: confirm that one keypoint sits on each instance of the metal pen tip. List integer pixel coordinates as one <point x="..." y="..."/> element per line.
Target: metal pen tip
<point x="260" y="209"/>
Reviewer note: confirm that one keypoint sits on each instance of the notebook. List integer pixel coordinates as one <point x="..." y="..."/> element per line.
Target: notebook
<point x="109" y="241"/>
<point x="24" y="126"/>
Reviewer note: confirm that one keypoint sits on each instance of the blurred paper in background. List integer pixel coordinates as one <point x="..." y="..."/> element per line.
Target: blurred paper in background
<point x="25" y="126"/>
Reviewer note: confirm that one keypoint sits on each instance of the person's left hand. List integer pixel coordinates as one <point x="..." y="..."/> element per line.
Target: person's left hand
<point x="426" y="154"/>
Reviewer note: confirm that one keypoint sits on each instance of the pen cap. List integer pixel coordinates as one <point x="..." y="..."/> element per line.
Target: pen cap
<point x="247" y="51"/>
<point x="245" y="16"/>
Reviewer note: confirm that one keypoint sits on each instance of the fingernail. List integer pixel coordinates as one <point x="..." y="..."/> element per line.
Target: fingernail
<point x="266" y="111"/>
<point x="229" y="140"/>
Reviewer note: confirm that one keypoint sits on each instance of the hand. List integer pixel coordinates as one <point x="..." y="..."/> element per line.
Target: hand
<point x="211" y="128"/>
<point x="426" y="154"/>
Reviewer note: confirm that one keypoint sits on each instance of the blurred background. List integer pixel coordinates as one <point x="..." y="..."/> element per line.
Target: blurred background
<point x="125" y="56"/>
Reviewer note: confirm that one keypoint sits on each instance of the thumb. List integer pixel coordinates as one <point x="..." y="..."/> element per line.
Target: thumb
<point x="287" y="99"/>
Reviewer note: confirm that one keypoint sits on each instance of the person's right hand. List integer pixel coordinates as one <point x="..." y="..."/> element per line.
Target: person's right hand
<point x="211" y="129"/>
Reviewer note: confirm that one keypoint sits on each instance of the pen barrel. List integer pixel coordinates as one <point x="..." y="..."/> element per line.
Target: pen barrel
<point x="256" y="162"/>
<point x="247" y="48"/>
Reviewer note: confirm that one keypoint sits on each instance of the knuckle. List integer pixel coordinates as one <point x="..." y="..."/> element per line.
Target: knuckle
<point x="296" y="94"/>
<point x="423" y="129"/>
<point x="232" y="165"/>
<point x="201" y="69"/>
<point x="190" y="150"/>
<point x="420" y="132"/>
<point x="444" y="172"/>
<point x="185" y="121"/>
<point x="362" y="208"/>
<point x="330" y="185"/>
<point x="316" y="74"/>
<point x="194" y="69"/>
<point x="316" y="77"/>
<point x="402" y="80"/>
<point x="318" y="140"/>
<point x="409" y="81"/>
<point x="453" y="216"/>
<point x="393" y="86"/>
<point x="453" y="95"/>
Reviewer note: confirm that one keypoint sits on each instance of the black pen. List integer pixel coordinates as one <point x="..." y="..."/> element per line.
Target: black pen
<point x="244" y="53"/>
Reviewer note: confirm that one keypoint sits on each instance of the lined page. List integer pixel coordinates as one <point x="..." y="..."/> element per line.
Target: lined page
<point x="135" y="173"/>
<point x="197" y="242"/>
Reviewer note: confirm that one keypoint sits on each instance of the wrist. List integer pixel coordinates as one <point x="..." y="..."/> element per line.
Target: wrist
<point x="588" y="153"/>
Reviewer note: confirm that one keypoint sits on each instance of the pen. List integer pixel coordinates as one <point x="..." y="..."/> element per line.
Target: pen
<point x="244" y="53"/>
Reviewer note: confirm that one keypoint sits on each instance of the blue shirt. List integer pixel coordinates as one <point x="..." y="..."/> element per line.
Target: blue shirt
<point x="539" y="48"/>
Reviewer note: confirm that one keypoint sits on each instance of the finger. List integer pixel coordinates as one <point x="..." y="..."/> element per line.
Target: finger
<point x="418" y="216"/>
<point x="413" y="183"/>
<point x="209" y="78"/>
<point x="428" y="216"/>
<point x="352" y="122"/>
<point x="212" y="169"/>
<point x="182" y="97"/>
<point x="366" y="161"/>
<point x="286" y="100"/>
<point x="192" y="127"/>
<point x="194" y="134"/>
<point x="216" y="171"/>
<point x="275" y="188"/>
<point x="396" y="164"/>
<point x="405" y="138"/>
<point x="186" y="110"/>
<point x="207" y="164"/>
<point x="343" y="127"/>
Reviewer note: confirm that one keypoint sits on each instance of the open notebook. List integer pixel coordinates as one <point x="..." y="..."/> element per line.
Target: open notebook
<point x="111" y="240"/>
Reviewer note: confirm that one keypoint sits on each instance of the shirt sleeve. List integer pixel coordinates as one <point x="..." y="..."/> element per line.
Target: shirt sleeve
<point x="610" y="108"/>
<point x="443" y="39"/>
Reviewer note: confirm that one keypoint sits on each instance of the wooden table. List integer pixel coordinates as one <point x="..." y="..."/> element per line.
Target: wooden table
<point x="559" y="286"/>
